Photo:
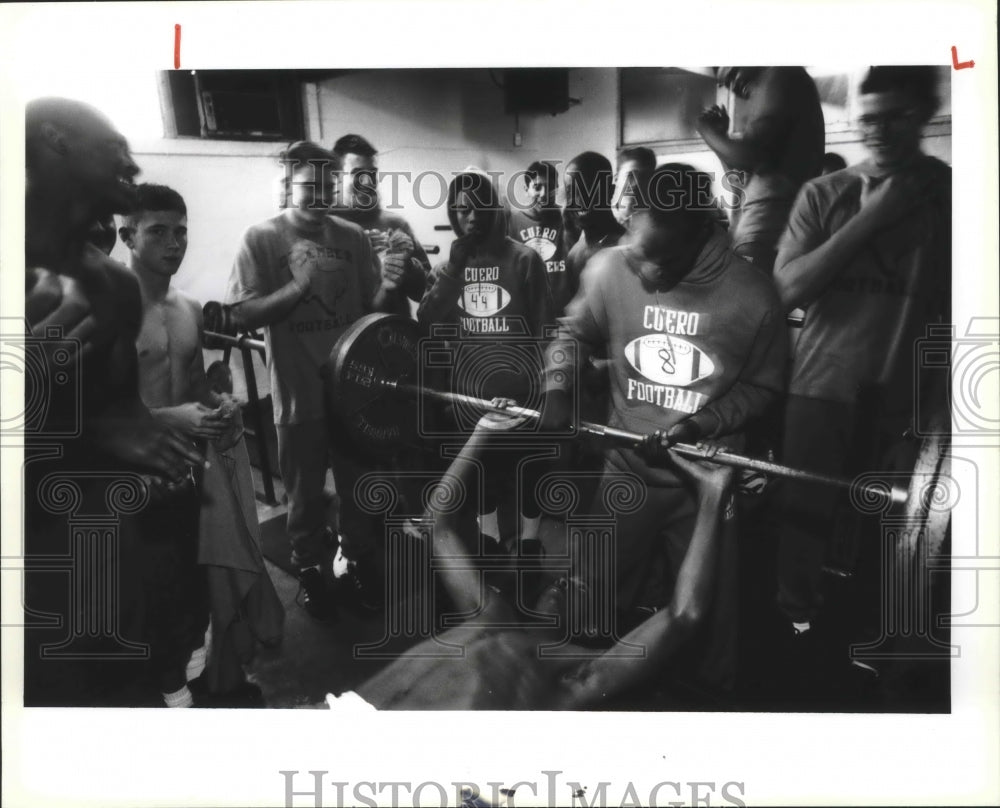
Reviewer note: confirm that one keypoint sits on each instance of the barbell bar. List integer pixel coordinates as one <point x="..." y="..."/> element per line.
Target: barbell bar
<point x="213" y="339"/>
<point x="371" y="366"/>
<point x="632" y="440"/>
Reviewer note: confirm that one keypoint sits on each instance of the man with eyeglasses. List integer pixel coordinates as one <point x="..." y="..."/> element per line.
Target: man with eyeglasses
<point x="867" y="254"/>
<point x="390" y="234"/>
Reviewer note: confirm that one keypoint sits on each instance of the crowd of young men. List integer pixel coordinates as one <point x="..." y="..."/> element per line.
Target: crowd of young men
<point x="644" y="311"/>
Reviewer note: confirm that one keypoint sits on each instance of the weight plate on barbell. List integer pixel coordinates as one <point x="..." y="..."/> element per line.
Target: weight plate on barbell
<point x="374" y="348"/>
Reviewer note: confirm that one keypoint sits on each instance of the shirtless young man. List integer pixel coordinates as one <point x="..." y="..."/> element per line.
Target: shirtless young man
<point x="172" y="378"/>
<point x="502" y="667"/>
<point x="173" y="385"/>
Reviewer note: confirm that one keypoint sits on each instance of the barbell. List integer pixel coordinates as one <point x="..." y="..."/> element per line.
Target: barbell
<point x="371" y="375"/>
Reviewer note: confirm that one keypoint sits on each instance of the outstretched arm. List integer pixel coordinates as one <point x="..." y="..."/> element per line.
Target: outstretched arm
<point x="461" y="480"/>
<point x="747" y="153"/>
<point x="663" y="633"/>
<point x="582" y="333"/>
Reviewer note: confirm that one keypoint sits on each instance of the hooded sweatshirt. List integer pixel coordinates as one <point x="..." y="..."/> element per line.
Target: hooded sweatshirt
<point x="712" y="347"/>
<point x="500" y="302"/>
<point x="542" y="231"/>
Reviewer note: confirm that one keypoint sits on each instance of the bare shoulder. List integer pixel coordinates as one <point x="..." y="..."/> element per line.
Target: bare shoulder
<point x="188" y="302"/>
<point x="184" y="318"/>
<point x="182" y="303"/>
<point x="111" y="287"/>
<point x="95" y="266"/>
<point x="780" y="91"/>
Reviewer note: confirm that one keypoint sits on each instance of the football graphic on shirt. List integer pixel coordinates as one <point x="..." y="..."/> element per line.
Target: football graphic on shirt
<point x="484" y="299"/>
<point x="664" y="359"/>
<point x="545" y="247"/>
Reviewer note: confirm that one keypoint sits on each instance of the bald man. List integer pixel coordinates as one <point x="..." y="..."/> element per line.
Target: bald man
<point x="77" y="300"/>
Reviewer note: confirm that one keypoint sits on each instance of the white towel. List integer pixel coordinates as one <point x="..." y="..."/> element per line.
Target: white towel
<point x="349" y="702"/>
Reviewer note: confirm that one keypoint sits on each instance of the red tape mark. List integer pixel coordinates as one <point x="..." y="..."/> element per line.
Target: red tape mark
<point x="957" y="64"/>
<point x="177" y="47"/>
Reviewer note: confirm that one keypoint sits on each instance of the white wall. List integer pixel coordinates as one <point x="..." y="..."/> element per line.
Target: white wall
<point x="419" y="120"/>
<point x="445" y="120"/>
<point x="431" y="120"/>
<point x="225" y="194"/>
<point x="428" y="120"/>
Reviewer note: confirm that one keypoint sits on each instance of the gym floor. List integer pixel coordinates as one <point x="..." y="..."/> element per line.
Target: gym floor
<point x="776" y="672"/>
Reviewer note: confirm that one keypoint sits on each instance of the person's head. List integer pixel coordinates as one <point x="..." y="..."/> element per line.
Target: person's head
<point x="155" y="231"/>
<point x="669" y="230"/>
<point x="587" y="184"/>
<point x="311" y="177"/>
<point x="473" y="205"/>
<point x="635" y="166"/>
<point x="72" y="148"/>
<point x="737" y="79"/>
<point x="102" y="234"/>
<point x="360" y="186"/>
<point x="832" y="162"/>
<point x="895" y="103"/>
<point x="540" y="180"/>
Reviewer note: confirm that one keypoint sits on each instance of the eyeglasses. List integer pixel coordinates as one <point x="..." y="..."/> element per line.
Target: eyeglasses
<point x="887" y="120"/>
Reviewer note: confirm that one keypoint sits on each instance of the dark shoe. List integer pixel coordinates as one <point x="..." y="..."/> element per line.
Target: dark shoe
<point x="355" y="586"/>
<point x="318" y="597"/>
<point x="533" y="548"/>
